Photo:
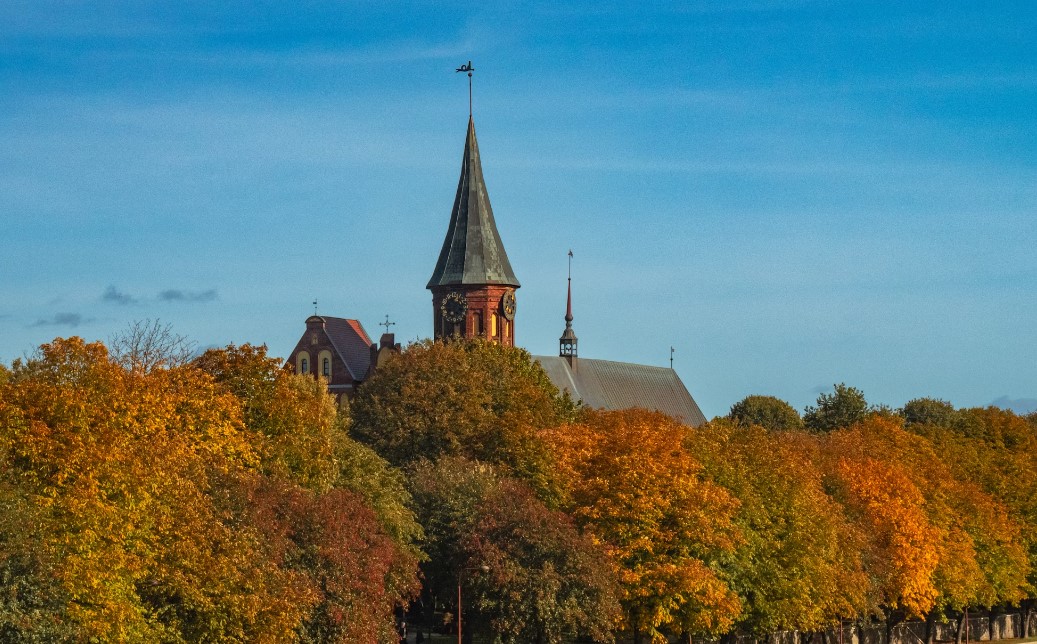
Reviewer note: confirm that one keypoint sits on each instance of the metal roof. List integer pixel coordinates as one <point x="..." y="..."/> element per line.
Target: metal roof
<point x="605" y="384"/>
<point x="472" y="252"/>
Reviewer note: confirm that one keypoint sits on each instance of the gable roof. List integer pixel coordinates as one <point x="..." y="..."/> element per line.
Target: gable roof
<point x="605" y="384"/>
<point x="472" y="252"/>
<point x="351" y="343"/>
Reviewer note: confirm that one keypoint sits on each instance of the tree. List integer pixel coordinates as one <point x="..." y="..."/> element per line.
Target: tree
<point x="841" y="408"/>
<point x="929" y="411"/>
<point x="767" y="412"/>
<point x="898" y="543"/>
<point x="979" y="559"/>
<point x="475" y="399"/>
<point x="546" y="582"/>
<point x="995" y="451"/>
<point x="334" y="541"/>
<point x="303" y="439"/>
<point x="630" y="482"/>
<point x="294" y="415"/>
<point x="120" y="468"/>
<point x="542" y="581"/>
<point x="135" y="505"/>
<point x="149" y="344"/>
<point x="797" y="566"/>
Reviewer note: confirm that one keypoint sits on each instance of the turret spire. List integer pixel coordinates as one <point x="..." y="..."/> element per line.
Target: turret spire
<point x="567" y="343"/>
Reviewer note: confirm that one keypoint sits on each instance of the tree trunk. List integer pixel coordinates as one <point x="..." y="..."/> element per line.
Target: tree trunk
<point x="826" y="637"/>
<point x="962" y="624"/>
<point x="892" y="619"/>
<point x="930" y="627"/>
<point x="1027" y="606"/>
<point x="686" y="638"/>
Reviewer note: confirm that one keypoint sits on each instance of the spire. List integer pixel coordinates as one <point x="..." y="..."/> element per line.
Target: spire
<point x="568" y="342"/>
<point x="472" y="252"/>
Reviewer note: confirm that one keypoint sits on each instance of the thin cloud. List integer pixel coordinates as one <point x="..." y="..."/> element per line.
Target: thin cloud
<point x="61" y="319"/>
<point x="1018" y="405"/>
<point x="114" y="296"/>
<point x="177" y="295"/>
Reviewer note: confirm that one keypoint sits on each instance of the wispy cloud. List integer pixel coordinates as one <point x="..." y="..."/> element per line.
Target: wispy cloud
<point x="61" y="319"/>
<point x="114" y="296"/>
<point x="177" y="295"/>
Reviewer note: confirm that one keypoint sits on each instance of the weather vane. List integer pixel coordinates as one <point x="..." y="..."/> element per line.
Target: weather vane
<point x="468" y="68"/>
<point x="570" y="264"/>
<point x="671" y="357"/>
<point x="315" y="306"/>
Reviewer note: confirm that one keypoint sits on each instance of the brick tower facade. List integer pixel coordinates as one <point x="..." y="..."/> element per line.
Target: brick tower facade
<point x="473" y="285"/>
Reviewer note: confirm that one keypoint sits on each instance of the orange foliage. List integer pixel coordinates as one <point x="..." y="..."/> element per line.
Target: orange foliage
<point x="631" y="483"/>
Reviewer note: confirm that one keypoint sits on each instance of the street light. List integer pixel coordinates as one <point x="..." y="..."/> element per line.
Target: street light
<point x="482" y="568"/>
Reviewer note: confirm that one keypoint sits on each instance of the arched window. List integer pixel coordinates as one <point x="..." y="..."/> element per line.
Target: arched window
<point x="302" y="364"/>
<point x="324" y="359"/>
<point x="305" y="365"/>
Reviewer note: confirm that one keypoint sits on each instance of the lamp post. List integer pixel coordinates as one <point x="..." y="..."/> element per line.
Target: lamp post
<point x="482" y="568"/>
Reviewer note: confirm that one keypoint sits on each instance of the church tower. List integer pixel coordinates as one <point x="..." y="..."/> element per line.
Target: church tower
<point x="473" y="285"/>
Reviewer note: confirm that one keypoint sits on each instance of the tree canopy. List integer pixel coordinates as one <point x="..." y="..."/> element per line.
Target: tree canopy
<point x="767" y="412"/>
<point x="146" y="497"/>
<point x="841" y="408"/>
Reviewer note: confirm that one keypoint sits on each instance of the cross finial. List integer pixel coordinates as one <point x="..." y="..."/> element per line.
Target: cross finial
<point x="387" y="323"/>
<point x="468" y="68"/>
<point x="315" y="306"/>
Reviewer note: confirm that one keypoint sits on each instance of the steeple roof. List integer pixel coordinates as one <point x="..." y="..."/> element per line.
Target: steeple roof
<point x="472" y="251"/>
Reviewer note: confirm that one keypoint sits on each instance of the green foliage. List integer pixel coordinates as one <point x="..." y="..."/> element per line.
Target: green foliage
<point x="545" y="581"/>
<point x="294" y="414"/>
<point x="841" y="408"/>
<point x="795" y="567"/>
<point x="767" y="412"/>
<point x="383" y="488"/>
<point x="929" y="411"/>
<point x="526" y="571"/>
<point x="479" y="400"/>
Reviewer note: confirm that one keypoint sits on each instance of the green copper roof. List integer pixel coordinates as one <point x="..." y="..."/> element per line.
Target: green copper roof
<point x="472" y="251"/>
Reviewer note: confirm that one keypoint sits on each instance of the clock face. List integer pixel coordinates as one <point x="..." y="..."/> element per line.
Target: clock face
<point x="453" y="307"/>
<point x="508" y="305"/>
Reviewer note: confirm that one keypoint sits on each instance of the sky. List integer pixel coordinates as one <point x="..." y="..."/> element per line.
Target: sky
<point x="790" y="194"/>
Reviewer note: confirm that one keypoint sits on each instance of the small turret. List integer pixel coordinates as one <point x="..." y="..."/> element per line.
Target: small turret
<point x="567" y="344"/>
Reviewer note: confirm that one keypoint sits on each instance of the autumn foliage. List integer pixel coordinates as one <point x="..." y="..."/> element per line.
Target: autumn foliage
<point x="148" y="497"/>
<point x="139" y="505"/>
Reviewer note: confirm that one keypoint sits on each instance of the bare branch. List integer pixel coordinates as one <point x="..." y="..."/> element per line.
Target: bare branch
<point x="146" y="345"/>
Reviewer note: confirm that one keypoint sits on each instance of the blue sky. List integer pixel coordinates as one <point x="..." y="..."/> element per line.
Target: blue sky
<point x="791" y="194"/>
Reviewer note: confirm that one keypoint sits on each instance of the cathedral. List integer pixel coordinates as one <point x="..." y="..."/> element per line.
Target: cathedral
<point x="474" y="296"/>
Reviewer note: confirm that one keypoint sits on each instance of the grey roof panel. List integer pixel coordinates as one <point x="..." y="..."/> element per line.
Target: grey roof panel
<point x="472" y="251"/>
<point x="605" y="384"/>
